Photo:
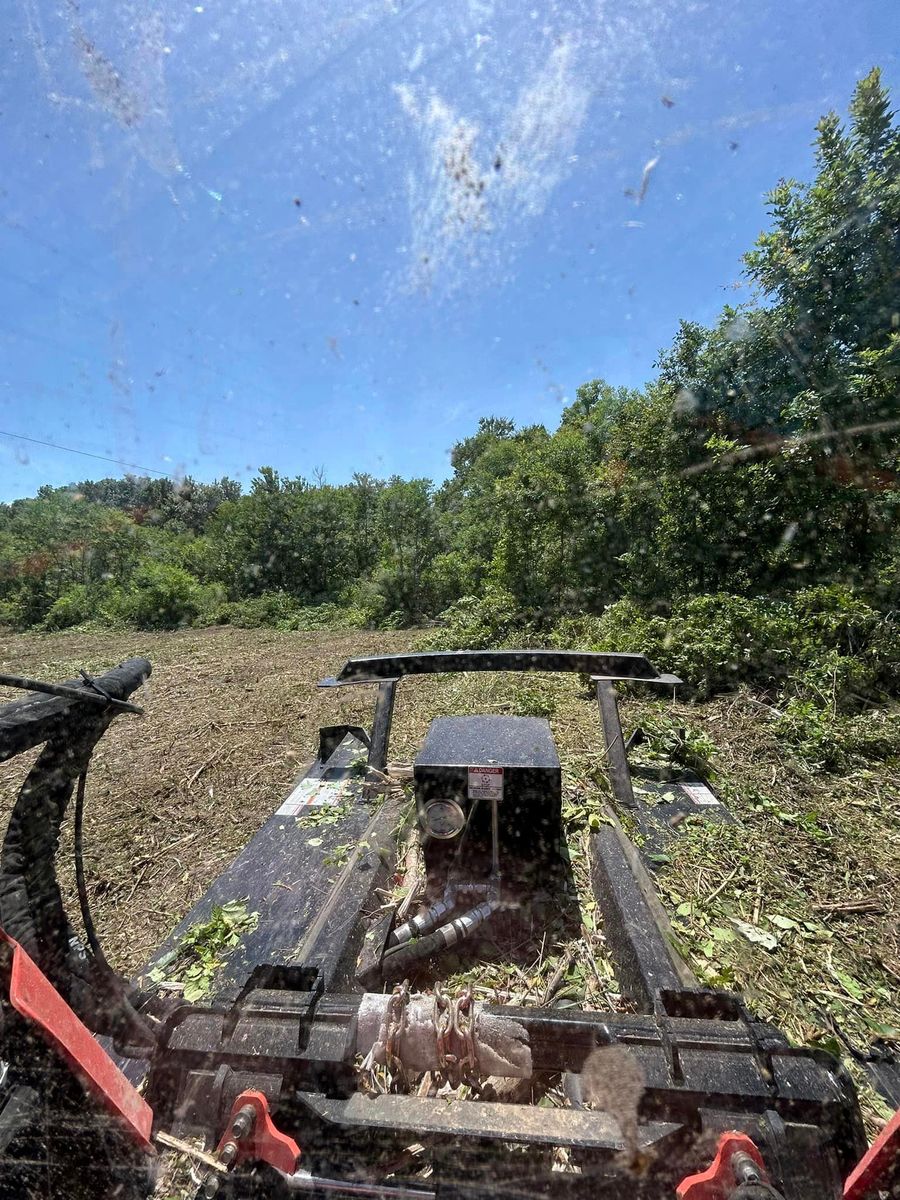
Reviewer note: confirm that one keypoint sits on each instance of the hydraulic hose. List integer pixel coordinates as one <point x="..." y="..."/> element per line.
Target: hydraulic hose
<point x="31" y="906"/>
<point x="397" y="958"/>
<point x="429" y="919"/>
<point x="90" y="931"/>
<point x="419" y="937"/>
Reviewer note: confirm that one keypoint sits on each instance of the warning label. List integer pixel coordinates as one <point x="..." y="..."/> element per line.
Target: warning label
<point x="485" y="783"/>
<point x="699" y="793"/>
<point x="310" y="793"/>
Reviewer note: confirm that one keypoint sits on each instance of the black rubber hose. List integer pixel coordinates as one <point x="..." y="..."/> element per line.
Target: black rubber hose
<point x="397" y="958"/>
<point x="93" y="940"/>
<point x="31" y="906"/>
<point x="70" y="692"/>
<point x="138" y="999"/>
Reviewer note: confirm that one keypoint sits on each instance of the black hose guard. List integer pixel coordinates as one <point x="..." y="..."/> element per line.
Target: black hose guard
<point x="31" y="905"/>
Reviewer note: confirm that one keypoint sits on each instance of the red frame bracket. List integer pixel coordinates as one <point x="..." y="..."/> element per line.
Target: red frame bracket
<point x="717" y="1182"/>
<point x="35" y="998"/>
<point x="264" y="1142"/>
<point x="880" y="1162"/>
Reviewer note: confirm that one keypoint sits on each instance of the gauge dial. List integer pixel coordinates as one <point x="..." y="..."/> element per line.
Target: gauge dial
<point x="444" y="818"/>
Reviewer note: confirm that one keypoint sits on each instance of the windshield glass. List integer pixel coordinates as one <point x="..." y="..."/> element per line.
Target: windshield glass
<point x="386" y="329"/>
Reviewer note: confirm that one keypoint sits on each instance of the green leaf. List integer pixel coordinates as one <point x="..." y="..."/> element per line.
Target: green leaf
<point x="783" y="922"/>
<point x="831" y="1044"/>
<point x="850" y="986"/>
<point x="891" y="1032"/>
<point x="720" y="934"/>
<point x="200" y="952"/>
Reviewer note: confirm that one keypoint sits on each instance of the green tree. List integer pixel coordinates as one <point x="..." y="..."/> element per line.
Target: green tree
<point x="408" y="538"/>
<point x="805" y="378"/>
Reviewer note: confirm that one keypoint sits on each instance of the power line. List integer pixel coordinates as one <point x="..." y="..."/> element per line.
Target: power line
<point x="107" y="318"/>
<point x="91" y="310"/>
<point x="194" y="427"/>
<point x="85" y="454"/>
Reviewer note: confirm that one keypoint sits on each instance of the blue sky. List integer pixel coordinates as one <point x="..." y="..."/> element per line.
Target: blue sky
<point x="334" y="235"/>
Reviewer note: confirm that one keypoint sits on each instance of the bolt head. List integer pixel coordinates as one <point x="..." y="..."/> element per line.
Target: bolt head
<point x="243" y="1122"/>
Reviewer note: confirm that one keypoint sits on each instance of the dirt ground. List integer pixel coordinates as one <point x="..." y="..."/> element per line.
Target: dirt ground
<point x="232" y="717"/>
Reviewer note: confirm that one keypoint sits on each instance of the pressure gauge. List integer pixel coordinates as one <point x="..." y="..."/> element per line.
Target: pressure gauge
<point x="444" y="819"/>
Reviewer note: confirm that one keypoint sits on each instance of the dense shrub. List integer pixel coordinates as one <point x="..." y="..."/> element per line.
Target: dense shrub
<point x="11" y="614"/>
<point x="162" y="596"/>
<point x="825" y="643"/>
<point x="826" y="740"/>
<point x="887" y="577"/>
<point x="327" y="616"/>
<point x="277" y="610"/>
<point x="713" y="642"/>
<point x="479" y="622"/>
<point x="274" y="609"/>
<point x="77" y="604"/>
<point x="575" y="633"/>
<point x="370" y="605"/>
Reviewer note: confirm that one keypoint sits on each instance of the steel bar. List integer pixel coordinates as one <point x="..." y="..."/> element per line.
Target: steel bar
<point x="616" y="758"/>
<point x="68" y="692"/>
<point x="394" y="666"/>
<point x="643" y="959"/>
<point x="381" y="726"/>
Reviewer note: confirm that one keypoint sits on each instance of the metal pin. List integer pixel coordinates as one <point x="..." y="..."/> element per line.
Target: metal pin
<point x="243" y="1122"/>
<point x="228" y="1152"/>
<point x="744" y="1168"/>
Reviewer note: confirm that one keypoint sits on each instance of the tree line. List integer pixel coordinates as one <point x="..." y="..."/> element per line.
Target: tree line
<point x="762" y="460"/>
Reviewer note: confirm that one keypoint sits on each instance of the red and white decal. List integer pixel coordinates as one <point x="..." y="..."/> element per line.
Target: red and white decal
<point x="700" y="794"/>
<point x="485" y="783"/>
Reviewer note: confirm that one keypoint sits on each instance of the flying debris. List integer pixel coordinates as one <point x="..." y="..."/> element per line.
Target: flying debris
<point x="638" y="196"/>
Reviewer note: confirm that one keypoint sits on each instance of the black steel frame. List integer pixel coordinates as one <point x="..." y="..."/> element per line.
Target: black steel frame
<point x="603" y="668"/>
<point x="635" y="667"/>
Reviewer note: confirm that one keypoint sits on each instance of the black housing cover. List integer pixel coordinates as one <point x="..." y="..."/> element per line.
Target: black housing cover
<point x="530" y="813"/>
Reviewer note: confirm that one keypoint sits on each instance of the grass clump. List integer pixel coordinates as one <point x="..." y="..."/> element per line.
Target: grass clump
<point x="203" y="949"/>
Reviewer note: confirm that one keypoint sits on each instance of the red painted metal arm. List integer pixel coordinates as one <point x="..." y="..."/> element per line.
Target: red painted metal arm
<point x="878" y="1165"/>
<point x="35" y="998"/>
<point x="252" y="1134"/>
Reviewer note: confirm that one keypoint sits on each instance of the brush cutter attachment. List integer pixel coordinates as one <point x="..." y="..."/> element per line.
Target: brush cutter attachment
<point x="329" y="1055"/>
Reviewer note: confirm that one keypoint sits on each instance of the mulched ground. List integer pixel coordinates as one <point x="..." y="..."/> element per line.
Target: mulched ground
<point x="232" y="718"/>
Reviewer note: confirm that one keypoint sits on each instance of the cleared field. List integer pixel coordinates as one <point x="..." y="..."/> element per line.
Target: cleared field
<point x="232" y="717"/>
